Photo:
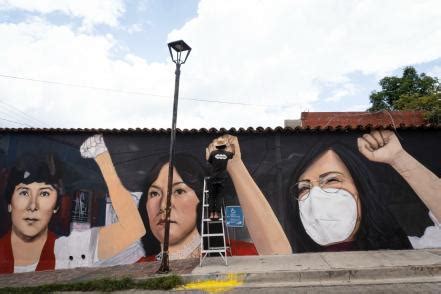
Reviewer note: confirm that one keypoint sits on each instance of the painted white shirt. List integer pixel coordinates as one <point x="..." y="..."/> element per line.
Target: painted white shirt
<point x="25" y="268"/>
<point x="431" y="237"/>
<point x="79" y="249"/>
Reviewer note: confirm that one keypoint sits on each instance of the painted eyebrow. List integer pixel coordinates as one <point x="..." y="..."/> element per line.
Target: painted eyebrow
<point x="174" y="184"/>
<point x="47" y="188"/>
<point x="329" y="173"/>
<point x="154" y="186"/>
<point x="177" y="183"/>
<point x="22" y="188"/>
<point x="323" y="175"/>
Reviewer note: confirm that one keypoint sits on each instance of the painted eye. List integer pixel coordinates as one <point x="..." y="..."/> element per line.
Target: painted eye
<point x="23" y="193"/>
<point x="179" y="191"/>
<point x="332" y="182"/>
<point x="303" y="188"/>
<point x="44" y="193"/>
<point x="303" y="192"/>
<point x="153" y="194"/>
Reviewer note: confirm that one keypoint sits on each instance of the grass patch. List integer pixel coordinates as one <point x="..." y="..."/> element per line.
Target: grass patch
<point x="103" y="285"/>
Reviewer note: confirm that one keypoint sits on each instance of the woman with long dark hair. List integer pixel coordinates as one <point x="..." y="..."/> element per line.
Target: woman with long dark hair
<point x="185" y="215"/>
<point x="338" y="206"/>
<point x="188" y="178"/>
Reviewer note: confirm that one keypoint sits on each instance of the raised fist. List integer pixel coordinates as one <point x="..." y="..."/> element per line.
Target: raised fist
<point x="380" y="146"/>
<point x="93" y="146"/>
<point x="231" y="142"/>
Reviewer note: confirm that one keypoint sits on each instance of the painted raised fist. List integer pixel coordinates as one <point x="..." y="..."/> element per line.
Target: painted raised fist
<point x="380" y="146"/>
<point x="231" y="143"/>
<point x="93" y="146"/>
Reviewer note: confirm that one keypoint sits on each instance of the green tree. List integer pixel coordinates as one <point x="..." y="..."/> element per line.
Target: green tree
<point x="409" y="92"/>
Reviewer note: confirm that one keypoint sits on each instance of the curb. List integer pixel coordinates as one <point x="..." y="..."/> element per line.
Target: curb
<point x="430" y="273"/>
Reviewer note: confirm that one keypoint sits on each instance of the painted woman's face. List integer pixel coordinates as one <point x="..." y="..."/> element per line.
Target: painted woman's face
<point x="331" y="174"/>
<point x="184" y="202"/>
<point x="32" y="206"/>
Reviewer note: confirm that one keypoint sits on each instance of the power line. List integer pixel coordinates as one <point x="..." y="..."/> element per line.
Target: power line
<point x="16" y="122"/>
<point x="139" y="93"/>
<point x="24" y="114"/>
<point x="11" y="113"/>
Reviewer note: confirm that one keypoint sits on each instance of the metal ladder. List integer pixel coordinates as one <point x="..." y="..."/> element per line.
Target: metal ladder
<point x="206" y="247"/>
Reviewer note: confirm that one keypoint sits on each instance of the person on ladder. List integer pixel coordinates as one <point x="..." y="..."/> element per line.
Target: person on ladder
<point x="218" y="160"/>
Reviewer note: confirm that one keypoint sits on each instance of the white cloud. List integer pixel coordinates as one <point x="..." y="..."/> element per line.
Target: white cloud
<point x="273" y="52"/>
<point x="277" y="53"/>
<point x="343" y="91"/>
<point x="91" y="12"/>
<point x="39" y="50"/>
<point x="435" y="72"/>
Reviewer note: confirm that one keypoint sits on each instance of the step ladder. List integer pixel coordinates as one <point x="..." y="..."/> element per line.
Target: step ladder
<point x="210" y="229"/>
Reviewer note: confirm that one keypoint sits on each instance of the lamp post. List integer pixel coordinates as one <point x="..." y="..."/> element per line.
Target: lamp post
<point x="179" y="52"/>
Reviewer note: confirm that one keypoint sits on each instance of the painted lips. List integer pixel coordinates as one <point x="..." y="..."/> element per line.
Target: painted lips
<point x="162" y="222"/>
<point x="31" y="220"/>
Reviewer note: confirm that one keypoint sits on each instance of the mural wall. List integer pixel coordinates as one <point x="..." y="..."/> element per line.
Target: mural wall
<point x="77" y="199"/>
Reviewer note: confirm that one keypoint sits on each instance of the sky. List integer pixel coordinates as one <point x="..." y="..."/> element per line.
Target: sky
<point x="254" y="63"/>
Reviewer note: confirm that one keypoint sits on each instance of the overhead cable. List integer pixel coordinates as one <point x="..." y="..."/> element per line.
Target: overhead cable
<point x="15" y="122"/>
<point x="138" y="92"/>
<point x="24" y="114"/>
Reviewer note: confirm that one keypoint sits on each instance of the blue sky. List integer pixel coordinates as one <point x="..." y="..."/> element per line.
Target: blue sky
<point x="154" y="19"/>
<point x="105" y="63"/>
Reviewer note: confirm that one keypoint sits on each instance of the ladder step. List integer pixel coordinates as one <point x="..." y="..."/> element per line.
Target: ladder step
<point x="213" y="235"/>
<point x="205" y="237"/>
<point x="216" y="248"/>
<point x="212" y="250"/>
<point x="213" y="221"/>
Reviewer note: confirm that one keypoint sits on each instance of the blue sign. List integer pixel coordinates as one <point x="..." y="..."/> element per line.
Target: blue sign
<point x="234" y="216"/>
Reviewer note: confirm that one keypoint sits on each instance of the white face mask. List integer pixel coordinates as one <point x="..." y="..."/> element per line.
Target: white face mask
<point x="328" y="217"/>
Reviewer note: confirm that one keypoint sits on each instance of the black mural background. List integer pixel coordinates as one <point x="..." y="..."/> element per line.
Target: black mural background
<point x="270" y="157"/>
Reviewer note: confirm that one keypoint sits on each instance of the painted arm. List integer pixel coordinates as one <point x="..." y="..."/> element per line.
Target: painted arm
<point x="384" y="146"/>
<point x="263" y="225"/>
<point x="116" y="237"/>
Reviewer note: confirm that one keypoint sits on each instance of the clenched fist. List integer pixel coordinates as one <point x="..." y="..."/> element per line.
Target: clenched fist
<point x="380" y="146"/>
<point x="93" y="146"/>
<point x="231" y="143"/>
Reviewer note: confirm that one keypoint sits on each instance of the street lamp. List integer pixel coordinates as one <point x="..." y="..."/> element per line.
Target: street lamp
<point x="179" y="51"/>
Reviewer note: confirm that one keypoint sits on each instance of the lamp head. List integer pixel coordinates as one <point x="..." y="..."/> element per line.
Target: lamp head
<point x="179" y="51"/>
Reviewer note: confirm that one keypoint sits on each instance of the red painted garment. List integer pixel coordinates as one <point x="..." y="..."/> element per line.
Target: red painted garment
<point x="238" y="248"/>
<point x="47" y="257"/>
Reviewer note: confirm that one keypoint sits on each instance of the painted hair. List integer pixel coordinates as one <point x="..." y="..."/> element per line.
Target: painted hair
<point x="192" y="172"/>
<point x="30" y="169"/>
<point x="378" y="228"/>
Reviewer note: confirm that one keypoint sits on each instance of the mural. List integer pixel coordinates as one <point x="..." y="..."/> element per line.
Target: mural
<point x="79" y="199"/>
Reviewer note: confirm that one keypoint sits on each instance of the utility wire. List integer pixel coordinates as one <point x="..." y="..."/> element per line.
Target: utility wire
<point x="24" y="114"/>
<point x="16" y="122"/>
<point x="10" y="114"/>
<point x="137" y="92"/>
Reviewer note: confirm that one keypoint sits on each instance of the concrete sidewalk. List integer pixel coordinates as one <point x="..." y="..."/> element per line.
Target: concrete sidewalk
<point x="331" y="269"/>
<point x="270" y="273"/>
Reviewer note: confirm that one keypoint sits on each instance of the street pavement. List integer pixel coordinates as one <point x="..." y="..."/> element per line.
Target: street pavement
<point x="388" y="271"/>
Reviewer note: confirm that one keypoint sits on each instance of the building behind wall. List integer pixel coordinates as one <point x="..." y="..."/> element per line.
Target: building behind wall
<point x="354" y="119"/>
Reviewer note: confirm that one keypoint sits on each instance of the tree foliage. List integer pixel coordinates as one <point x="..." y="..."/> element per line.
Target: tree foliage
<point x="409" y="92"/>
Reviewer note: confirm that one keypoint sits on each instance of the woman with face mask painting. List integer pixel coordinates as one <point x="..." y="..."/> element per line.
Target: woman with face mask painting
<point x="339" y="206"/>
<point x="33" y="193"/>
